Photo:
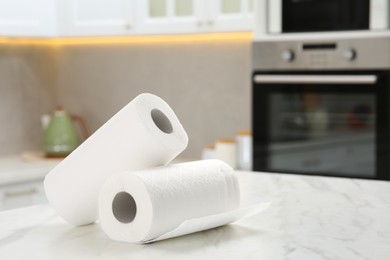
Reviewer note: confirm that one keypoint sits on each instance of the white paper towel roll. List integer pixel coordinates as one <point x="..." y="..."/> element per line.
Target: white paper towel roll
<point x="145" y="133"/>
<point x="164" y="202"/>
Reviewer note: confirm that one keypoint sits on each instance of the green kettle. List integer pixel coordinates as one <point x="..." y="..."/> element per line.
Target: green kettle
<point x="61" y="136"/>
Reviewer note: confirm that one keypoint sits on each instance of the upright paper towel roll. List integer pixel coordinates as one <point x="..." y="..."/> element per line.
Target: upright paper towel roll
<point x="145" y="133"/>
<point x="142" y="206"/>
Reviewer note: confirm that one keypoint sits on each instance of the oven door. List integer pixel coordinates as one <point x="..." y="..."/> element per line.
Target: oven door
<point x="333" y="123"/>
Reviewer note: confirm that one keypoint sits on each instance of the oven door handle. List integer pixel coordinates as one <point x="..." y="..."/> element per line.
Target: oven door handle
<point x="316" y="79"/>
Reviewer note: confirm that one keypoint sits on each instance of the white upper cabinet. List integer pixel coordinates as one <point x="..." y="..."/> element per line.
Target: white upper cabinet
<point x="95" y="17"/>
<point x="194" y="16"/>
<point x="46" y="18"/>
<point x="27" y="18"/>
<point x="170" y="16"/>
<point x="230" y="15"/>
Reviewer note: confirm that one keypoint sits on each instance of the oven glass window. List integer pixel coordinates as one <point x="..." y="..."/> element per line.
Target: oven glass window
<point x="325" y="15"/>
<point x="313" y="132"/>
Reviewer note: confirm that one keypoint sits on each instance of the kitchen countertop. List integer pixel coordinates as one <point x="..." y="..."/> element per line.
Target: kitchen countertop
<point x="13" y="169"/>
<point x="310" y="218"/>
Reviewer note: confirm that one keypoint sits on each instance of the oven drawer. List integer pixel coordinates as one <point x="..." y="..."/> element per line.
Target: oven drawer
<point x="22" y="195"/>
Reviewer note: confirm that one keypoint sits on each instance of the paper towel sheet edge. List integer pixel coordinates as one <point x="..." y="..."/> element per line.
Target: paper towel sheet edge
<point x="208" y="222"/>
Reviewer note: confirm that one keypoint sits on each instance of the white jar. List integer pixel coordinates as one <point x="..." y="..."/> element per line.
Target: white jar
<point x="209" y="152"/>
<point x="244" y="150"/>
<point x="225" y="150"/>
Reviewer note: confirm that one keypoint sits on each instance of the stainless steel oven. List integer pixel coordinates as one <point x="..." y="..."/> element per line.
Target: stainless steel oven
<point x="322" y="107"/>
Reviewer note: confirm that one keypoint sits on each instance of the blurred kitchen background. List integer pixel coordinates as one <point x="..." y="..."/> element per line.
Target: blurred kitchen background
<point x="208" y="60"/>
<point x="204" y="78"/>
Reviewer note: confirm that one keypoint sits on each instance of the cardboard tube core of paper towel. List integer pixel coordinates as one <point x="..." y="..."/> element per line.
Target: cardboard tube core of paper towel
<point x="124" y="207"/>
<point x="161" y="121"/>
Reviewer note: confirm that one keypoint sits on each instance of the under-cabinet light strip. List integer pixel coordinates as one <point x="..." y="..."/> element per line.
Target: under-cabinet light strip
<point x="152" y="39"/>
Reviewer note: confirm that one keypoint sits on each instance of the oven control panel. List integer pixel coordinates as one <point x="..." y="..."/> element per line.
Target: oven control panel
<point x="363" y="53"/>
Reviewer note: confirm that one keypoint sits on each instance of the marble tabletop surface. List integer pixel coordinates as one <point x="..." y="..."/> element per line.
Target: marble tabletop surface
<point x="310" y="218"/>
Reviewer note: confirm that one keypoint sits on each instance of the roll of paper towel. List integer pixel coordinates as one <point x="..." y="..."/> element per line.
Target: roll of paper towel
<point x="145" y="133"/>
<point x="164" y="202"/>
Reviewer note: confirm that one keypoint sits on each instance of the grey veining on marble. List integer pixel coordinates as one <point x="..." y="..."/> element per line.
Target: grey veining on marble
<point x="310" y="218"/>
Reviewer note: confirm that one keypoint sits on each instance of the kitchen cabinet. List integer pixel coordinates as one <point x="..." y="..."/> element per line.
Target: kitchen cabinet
<point x="21" y="181"/>
<point x="22" y="195"/>
<point x="170" y="16"/>
<point x="190" y="16"/>
<point x="230" y="15"/>
<point x="95" y="17"/>
<point x="27" y="18"/>
<point x="48" y="18"/>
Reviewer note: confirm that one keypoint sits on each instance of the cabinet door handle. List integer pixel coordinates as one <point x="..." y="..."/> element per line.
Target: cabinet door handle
<point x="20" y="192"/>
<point x="210" y="22"/>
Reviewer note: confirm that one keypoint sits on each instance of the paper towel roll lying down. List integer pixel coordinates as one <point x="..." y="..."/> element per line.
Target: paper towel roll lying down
<point x="145" y="133"/>
<point x="164" y="202"/>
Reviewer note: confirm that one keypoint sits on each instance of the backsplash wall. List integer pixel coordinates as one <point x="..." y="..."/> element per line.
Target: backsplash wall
<point x="26" y="92"/>
<point x="207" y="84"/>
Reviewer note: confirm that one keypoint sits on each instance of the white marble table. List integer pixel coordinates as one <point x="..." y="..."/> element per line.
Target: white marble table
<point x="310" y="218"/>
